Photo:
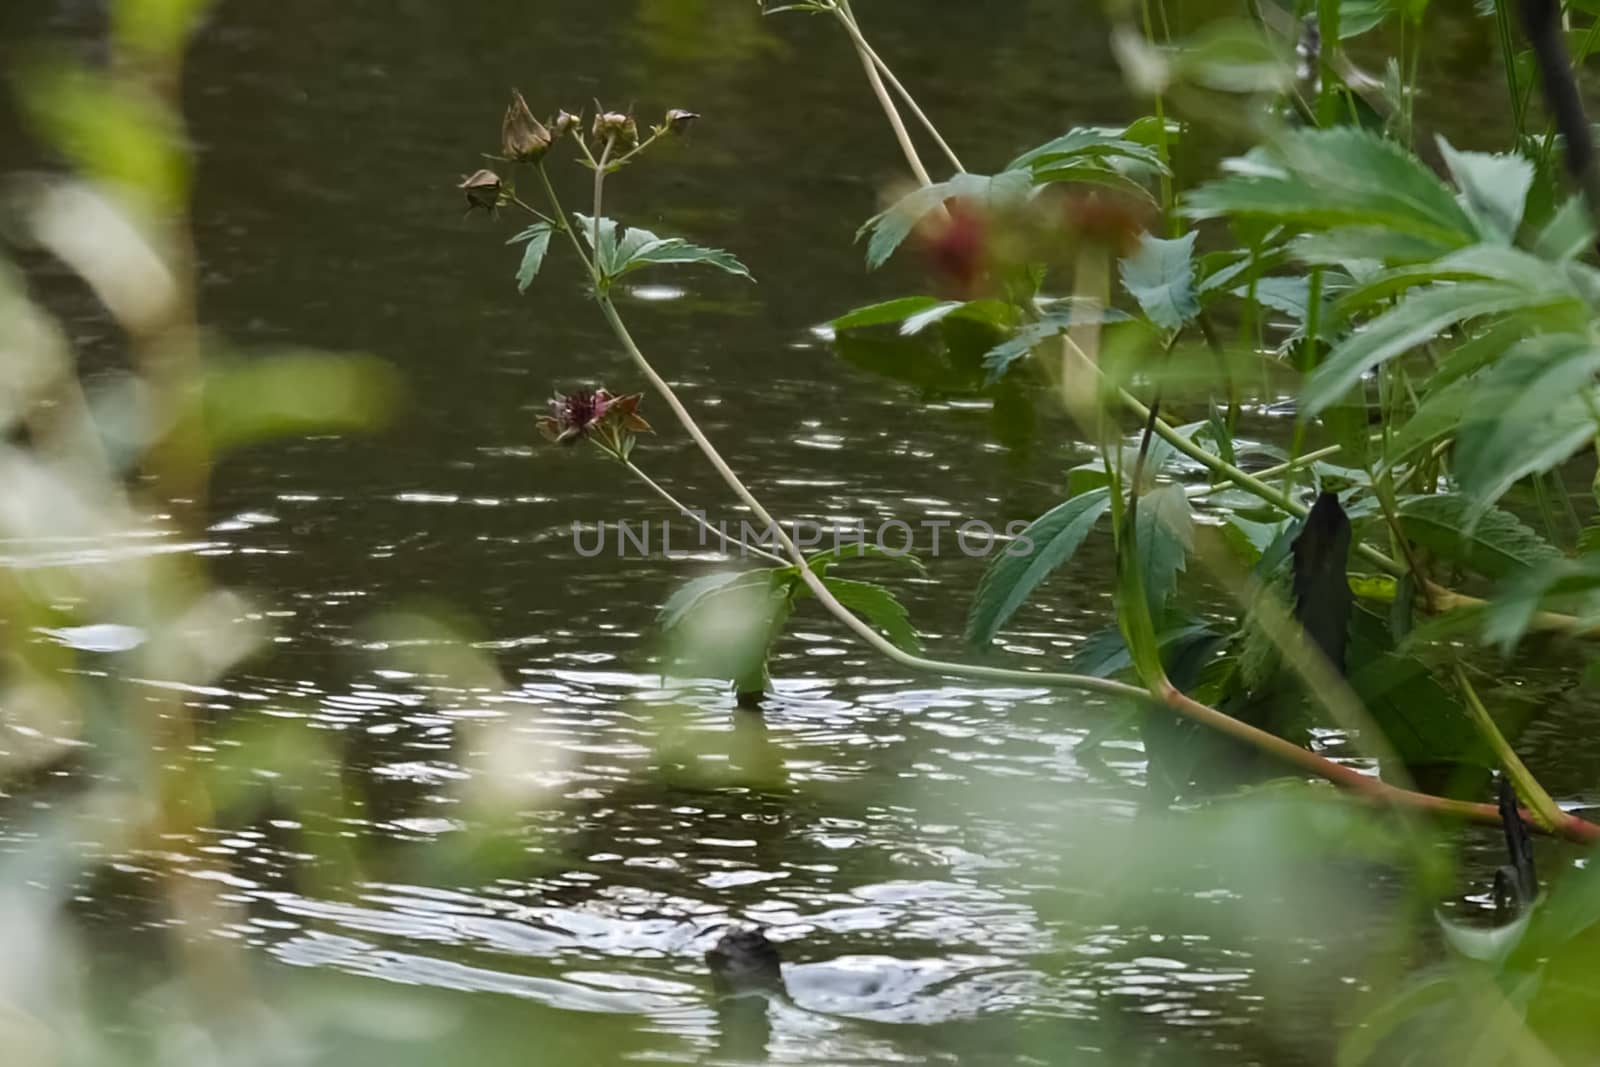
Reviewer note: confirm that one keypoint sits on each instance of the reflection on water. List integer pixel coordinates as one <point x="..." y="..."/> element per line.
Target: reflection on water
<point x="932" y="857"/>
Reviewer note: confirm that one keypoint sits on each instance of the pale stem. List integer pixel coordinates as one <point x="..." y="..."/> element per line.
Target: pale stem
<point x="699" y="518"/>
<point x="864" y="51"/>
<point x="905" y="95"/>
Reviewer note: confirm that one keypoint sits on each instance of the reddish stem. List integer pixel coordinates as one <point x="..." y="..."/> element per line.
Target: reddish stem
<point x="1570" y="827"/>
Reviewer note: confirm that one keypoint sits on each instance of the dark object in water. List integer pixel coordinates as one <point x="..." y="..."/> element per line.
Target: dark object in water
<point x="1322" y="598"/>
<point x="743" y="961"/>
<point x="1515" y="883"/>
<point x="1541" y="21"/>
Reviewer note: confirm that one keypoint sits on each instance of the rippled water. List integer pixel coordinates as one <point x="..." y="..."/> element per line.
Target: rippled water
<point x="935" y="858"/>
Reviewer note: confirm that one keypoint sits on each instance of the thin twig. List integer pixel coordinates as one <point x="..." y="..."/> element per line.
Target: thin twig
<point x="699" y="517"/>
<point x="905" y="94"/>
<point x="885" y="101"/>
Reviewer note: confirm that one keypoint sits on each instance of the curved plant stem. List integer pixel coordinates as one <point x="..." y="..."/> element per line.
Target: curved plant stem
<point x="1300" y="463"/>
<point x="890" y="112"/>
<point x="1569" y="826"/>
<point x="699" y="517"/>
<point x="1164" y="692"/>
<point x="1245" y="480"/>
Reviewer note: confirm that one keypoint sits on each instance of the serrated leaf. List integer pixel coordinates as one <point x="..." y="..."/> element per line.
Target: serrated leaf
<point x="886" y="231"/>
<point x="879" y="607"/>
<point x="1083" y="144"/>
<point x="638" y="248"/>
<point x="1054" y="323"/>
<point x="1422" y="316"/>
<point x="537" y="237"/>
<point x="1165" y="539"/>
<point x="675" y="250"/>
<point x="821" y="561"/>
<point x="1134" y="617"/>
<point x="1494" y="543"/>
<point x="1493" y="187"/>
<point x="1533" y="409"/>
<point x="1343" y="245"/>
<point x="1160" y="275"/>
<point x="1047" y="543"/>
<point x="1555" y="584"/>
<point x="1343" y="176"/>
<point x="1568" y="234"/>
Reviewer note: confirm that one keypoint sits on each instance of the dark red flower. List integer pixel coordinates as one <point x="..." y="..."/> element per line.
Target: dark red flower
<point x="956" y="244"/>
<point x="574" y="416"/>
<point x="1114" y="220"/>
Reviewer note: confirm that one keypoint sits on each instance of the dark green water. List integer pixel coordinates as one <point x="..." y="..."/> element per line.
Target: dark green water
<point x="935" y="855"/>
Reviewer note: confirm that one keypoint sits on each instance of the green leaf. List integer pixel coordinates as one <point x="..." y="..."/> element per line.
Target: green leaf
<point x="1421" y="717"/>
<point x="897" y="310"/>
<point x="1104" y="653"/>
<point x="1489" y="262"/>
<point x="605" y="252"/>
<point x="1419" y="318"/>
<point x="1134" y="617"/>
<point x="821" y="561"/>
<point x="1533" y="409"/>
<point x="537" y="237"/>
<point x="1083" y="144"/>
<point x="1232" y="56"/>
<point x="1166" y="537"/>
<point x="1494" y="187"/>
<point x="1343" y="176"/>
<point x="1437" y="417"/>
<point x="677" y="250"/>
<point x="879" y="607"/>
<point x="693" y="594"/>
<point x="639" y="248"/>
<point x="1347" y="244"/>
<point x="886" y="231"/>
<point x="1061" y="316"/>
<point x="1568" y="234"/>
<point x="1160" y="275"/>
<point x="1557" y="584"/>
<point x="1045" y="545"/>
<point x="725" y="624"/>
<point x="1496" y="545"/>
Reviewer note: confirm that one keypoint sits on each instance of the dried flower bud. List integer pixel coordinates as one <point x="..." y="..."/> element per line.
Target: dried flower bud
<point x="564" y="123"/>
<point x="523" y="137"/>
<point x="610" y="420"/>
<point x="678" y="120"/>
<point x="616" y="127"/>
<point x="482" y="190"/>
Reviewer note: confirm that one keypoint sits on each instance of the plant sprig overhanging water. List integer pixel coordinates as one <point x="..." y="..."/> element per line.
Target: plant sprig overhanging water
<point x="607" y="252"/>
